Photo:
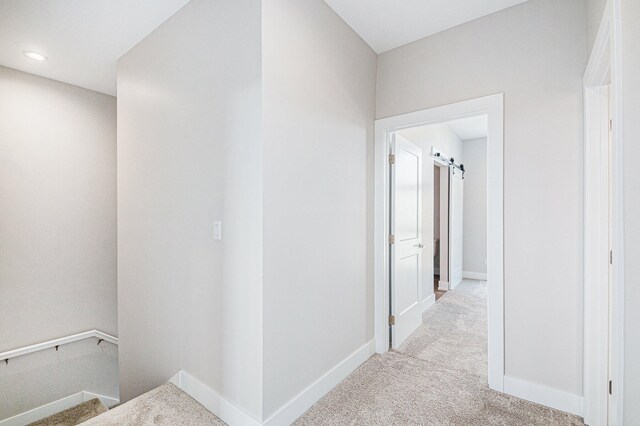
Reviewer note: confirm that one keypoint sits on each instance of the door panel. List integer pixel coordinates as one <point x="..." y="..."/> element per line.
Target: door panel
<point x="408" y="281"/>
<point x="407" y="177"/>
<point x="406" y="251"/>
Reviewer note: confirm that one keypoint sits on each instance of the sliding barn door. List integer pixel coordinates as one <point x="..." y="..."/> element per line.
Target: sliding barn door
<point x="455" y="226"/>
<point x="406" y="240"/>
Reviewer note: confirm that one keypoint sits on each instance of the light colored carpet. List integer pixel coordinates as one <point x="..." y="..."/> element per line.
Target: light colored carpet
<point x="166" y="405"/>
<point x="437" y="377"/>
<point x="454" y="330"/>
<point x="74" y="415"/>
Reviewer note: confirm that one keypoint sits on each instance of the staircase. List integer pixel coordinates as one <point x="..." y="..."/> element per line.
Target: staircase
<point x="74" y="415"/>
<point x="166" y="405"/>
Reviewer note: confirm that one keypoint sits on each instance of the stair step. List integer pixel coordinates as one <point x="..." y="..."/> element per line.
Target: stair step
<point x="164" y="406"/>
<point x="74" y="415"/>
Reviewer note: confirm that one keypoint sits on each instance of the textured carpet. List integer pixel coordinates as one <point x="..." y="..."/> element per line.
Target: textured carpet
<point x="166" y="405"/>
<point x="437" y="377"/>
<point x="74" y="415"/>
<point x="454" y="330"/>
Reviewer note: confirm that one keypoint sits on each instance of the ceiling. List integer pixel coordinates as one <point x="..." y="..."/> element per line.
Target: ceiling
<point x="465" y="129"/>
<point x="387" y="24"/>
<point x="83" y="39"/>
<point x="469" y="128"/>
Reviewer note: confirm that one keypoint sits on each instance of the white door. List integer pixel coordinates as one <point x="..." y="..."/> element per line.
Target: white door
<point x="455" y="227"/>
<point x="406" y="246"/>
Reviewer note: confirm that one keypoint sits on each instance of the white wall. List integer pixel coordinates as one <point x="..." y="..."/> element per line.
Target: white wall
<point x="449" y="144"/>
<point x="189" y="153"/>
<point x="475" y="205"/>
<point x="536" y="54"/>
<point x="319" y="88"/>
<point x="595" y="10"/>
<point x="57" y="210"/>
<point x="630" y="10"/>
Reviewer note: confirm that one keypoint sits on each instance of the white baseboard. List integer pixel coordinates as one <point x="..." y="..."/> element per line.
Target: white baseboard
<point x="443" y="285"/>
<point x="213" y="401"/>
<point x="106" y="400"/>
<point x="305" y="399"/>
<point x="428" y="302"/>
<point x="293" y="409"/>
<point x="474" y="275"/>
<point x="560" y="400"/>
<point x="55" y="407"/>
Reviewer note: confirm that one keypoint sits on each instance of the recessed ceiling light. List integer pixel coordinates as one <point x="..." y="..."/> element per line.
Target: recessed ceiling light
<point x="34" y="55"/>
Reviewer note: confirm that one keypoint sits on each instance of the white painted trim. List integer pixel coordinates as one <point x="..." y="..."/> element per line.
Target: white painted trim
<point x="290" y="411"/>
<point x="443" y="285"/>
<point x="58" y="342"/>
<point x="212" y="400"/>
<point x="44" y="411"/>
<point x="493" y="107"/>
<point x="474" y="275"/>
<point x="305" y="399"/>
<point x="55" y="407"/>
<point x="596" y="253"/>
<point x="554" y="398"/>
<point x="616" y="415"/>
<point x="453" y="286"/>
<point x="106" y="400"/>
<point x="604" y="66"/>
<point x="428" y="302"/>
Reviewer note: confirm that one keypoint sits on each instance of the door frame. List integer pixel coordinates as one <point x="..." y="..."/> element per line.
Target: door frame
<point x="451" y="286"/>
<point x="599" y="364"/>
<point x="442" y="165"/>
<point x="493" y="107"/>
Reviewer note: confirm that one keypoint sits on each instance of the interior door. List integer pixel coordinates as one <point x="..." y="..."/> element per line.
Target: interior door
<point x="455" y="227"/>
<point x="406" y="244"/>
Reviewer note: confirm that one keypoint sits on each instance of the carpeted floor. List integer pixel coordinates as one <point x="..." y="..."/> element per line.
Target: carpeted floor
<point x="74" y="415"/>
<point x="437" y="377"/>
<point x="166" y="405"/>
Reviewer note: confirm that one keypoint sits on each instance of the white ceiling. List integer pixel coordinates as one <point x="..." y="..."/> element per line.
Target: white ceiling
<point x="469" y="128"/>
<point x="465" y="128"/>
<point x="386" y="24"/>
<point x="83" y="39"/>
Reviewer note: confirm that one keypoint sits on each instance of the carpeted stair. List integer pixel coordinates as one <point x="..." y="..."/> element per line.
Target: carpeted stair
<point x="74" y="415"/>
<point x="166" y="405"/>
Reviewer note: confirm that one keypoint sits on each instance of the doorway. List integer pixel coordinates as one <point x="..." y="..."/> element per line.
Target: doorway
<point x="385" y="267"/>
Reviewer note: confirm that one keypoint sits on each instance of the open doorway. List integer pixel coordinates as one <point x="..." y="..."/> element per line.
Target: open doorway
<point x="405" y="210"/>
<point x="454" y="219"/>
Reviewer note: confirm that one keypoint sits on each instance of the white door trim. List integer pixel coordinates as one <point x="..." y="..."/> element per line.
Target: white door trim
<point x="599" y="365"/>
<point x="493" y="107"/>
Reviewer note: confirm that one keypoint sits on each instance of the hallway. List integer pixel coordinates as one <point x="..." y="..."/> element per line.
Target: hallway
<point x="437" y="377"/>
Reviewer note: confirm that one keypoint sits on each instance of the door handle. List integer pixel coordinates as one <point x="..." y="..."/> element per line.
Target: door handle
<point x="420" y="245"/>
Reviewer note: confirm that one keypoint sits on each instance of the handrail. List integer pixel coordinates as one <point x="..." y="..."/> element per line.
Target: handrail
<point x="5" y="356"/>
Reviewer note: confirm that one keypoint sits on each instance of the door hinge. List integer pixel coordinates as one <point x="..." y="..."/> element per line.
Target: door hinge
<point x="610" y="387"/>
<point x="610" y="124"/>
<point x="392" y="159"/>
<point x="392" y="239"/>
<point x="611" y="257"/>
<point x="392" y="320"/>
